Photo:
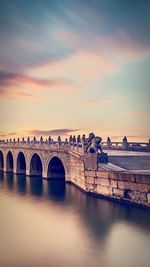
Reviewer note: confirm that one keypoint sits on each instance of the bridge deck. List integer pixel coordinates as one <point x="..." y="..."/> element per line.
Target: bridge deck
<point x="140" y="163"/>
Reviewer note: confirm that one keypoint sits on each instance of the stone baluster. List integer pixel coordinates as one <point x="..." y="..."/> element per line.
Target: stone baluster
<point x="66" y="141"/>
<point x="14" y="141"/>
<point x="34" y="140"/>
<point x="59" y="141"/>
<point x="78" y="142"/>
<point x="125" y="143"/>
<point x="28" y="140"/>
<point x="49" y="139"/>
<point x="10" y="141"/>
<point x="78" y="139"/>
<point x="83" y="143"/>
<point x="148" y="145"/>
<point x="70" y="140"/>
<point x="23" y="140"/>
<point x="74" y="141"/>
<point x="18" y="140"/>
<point x="108" y="143"/>
<point x="7" y="141"/>
<point x="41" y="140"/>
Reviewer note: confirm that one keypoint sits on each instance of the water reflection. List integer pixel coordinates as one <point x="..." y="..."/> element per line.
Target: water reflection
<point x="56" y="190"/>
<point x="36" y="186"/>
<point x="21" y="183"/>
<point x="10" y="181"/>
<point x="96" y="224"/>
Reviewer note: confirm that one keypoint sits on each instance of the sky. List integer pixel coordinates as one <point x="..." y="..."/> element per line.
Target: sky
<point x="74" y="67"/>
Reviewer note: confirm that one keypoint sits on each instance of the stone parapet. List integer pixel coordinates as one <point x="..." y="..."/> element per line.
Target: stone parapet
<point x="119" y="185"/>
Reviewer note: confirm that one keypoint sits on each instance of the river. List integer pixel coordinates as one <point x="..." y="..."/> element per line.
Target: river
<point x="53" y="224"/>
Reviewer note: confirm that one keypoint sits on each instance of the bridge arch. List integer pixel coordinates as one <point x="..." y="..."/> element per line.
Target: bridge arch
<point x="9" y="162"/>
<point x="1" y="161"/>
<point x="56" y="167"/>
<point x="21" y="163"/>
<point x="36" y="165"/>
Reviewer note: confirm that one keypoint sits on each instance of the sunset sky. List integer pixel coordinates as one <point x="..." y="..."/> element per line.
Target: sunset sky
<point x="75" y="66"/>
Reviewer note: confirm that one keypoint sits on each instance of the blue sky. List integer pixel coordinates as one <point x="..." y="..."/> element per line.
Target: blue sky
<point x="75" y="67"/>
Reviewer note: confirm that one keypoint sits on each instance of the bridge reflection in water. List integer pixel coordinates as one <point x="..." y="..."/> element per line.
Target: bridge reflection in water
<point x="73" y="229"/>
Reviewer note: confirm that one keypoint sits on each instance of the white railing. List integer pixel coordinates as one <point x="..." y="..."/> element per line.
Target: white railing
<point x="130" y="146"/>
<point x="75" y="144"/>
<point x="43" y="144"/>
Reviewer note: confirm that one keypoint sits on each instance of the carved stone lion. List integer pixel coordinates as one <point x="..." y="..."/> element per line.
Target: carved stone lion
<point x="93" y="144"/>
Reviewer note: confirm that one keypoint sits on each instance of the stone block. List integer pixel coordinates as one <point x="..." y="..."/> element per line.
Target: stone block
<point x="148" y="197"/>
<point x="90" y="186"/>
<point x="125" y="185"/>
<point x="142" y="178"/>
<point x="90" y="173"/>
<point x="103" y="190"/>
<point x="118" y="192"/>
<point x="102" y="174"/>
<point x="90" y="162"/>
<point x="113" y="175"/>
<point x="133" y="186"/>
<point x="103" y="182"/>
<point x="141" y="187"/>
<point x="113" y="183"/>
<point x="129" y="177"/>
<point x="90" y="180"/>
<point x="137" y="196"/>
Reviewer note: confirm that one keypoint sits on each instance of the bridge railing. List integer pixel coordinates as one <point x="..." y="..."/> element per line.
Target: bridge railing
<point x="76" y="144"/>
<point x="129" y="146"/>
<point x="44" y="144"/>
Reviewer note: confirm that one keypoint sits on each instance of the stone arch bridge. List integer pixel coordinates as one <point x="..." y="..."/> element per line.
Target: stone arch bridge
<point x="49" y="160"/>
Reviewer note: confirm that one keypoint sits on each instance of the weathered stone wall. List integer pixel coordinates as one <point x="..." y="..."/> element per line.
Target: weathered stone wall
<point x="120" y="185"/>
<point x="77" y="171"/>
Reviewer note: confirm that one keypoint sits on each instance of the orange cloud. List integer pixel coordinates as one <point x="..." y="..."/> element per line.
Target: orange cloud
<point x="11" y="94"/>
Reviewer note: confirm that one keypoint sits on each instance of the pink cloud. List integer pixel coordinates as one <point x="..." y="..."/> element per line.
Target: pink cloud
<point x="82" y="67"/>
<point x="123" y="45"/>
<point x="98" y="101"/>
<point x="131" y="113"/>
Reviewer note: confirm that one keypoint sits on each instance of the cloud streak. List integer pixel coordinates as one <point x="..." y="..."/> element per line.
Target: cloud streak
<point x="10" y="81"/>
<point x="55" y="132"/>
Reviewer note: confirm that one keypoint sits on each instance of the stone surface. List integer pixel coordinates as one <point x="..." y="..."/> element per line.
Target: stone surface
<point x="90" y="180"/>
<point x="118" y="192"/>
<point x="126" y="176"/>
<point x="148" y="197"/>
<point x="131" y="162"/>
<point x="137" y="196"/>
<point x="113" y="183"/>
<point x="90" y="162"/>
<point x="140" y="178"/>
<point x="102" y="174"/>
<point x="103" y="190"/>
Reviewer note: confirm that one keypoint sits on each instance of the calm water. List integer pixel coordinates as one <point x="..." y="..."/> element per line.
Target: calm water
<point x="52" y="224"/>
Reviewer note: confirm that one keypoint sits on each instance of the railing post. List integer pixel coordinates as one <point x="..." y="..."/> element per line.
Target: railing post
<point x="28" y="140"/>
<point x="70" y="140"/>
<point x="59" y="141"/>
<point x="108" y="143"/>
<point x="41" y="140"/>
<point x="125" y="143"/>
